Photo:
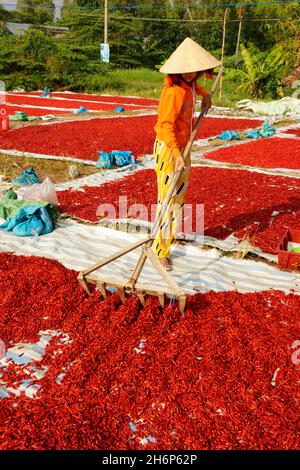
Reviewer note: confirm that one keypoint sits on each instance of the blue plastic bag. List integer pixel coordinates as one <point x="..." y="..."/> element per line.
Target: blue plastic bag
<point x="229" y="135"/>
<point x="81" y="110"/>
<point x="123" y="157"/>
<point x="29" y="221"/>
<point x="119" y="109"/>
<point x="115" y="158"/>
<point x="253" y="134"/>
<point x="46" y="93"/>
<point x="105" y="161"/>
<point x="266" y="130"/>
<point x="26" y="178"/>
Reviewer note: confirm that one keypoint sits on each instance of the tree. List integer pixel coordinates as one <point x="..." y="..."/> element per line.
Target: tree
<point x="5" y="15"/>
<point x="125" y="37"/>
<point x="35" y="49"/>
<point x="265" y="34"/>
<point x="262" y="73"/>
<point x="36" y="11"/>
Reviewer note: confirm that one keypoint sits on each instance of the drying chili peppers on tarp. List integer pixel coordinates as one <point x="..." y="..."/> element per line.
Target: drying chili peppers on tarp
<point x="223" y="376"/>
<point x="72" y="139"/>
<point x="245" y="203"/>
<point x="88" y="372"/>
<point x="273" y="152"/>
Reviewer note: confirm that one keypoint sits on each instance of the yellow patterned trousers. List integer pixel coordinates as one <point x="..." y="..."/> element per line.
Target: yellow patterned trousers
<point x="165" y="169"/>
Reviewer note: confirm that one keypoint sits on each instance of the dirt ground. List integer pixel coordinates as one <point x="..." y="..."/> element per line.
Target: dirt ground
<point x="57" y="171"/>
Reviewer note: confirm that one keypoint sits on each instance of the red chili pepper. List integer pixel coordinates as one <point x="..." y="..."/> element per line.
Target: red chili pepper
<point x="102" y="98"/>
<point x="266" y="153"/>
<point x="201" y="381"/>
<point x="83" y="139"/>
<point x="247" y="204"/>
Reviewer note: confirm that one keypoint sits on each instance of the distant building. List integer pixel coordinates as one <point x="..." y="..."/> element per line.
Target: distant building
<point x="16" y="28"/>
<point x="20" y="28"/>
<point x="12" y="5"/>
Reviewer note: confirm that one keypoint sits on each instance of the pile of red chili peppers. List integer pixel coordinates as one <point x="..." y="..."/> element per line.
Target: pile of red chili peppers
<point x="84" y="139"/>
<point x="223" y="376"/>
<point x="265" y="153"/>
<point x="248" y="204"/>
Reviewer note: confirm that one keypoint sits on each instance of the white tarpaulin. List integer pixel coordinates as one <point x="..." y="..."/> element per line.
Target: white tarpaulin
<point x="288" y="106"/>
<point x="78" y="246"/>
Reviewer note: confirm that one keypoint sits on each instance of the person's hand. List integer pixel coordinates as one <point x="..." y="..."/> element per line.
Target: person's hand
<point x="179" y="163"/>
<point x="206" y="104"/>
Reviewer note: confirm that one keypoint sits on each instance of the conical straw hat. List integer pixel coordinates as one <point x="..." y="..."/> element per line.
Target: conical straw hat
<point x="189" y="57"/>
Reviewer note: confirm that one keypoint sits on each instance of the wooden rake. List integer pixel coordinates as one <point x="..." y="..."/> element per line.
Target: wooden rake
<point x="173" y="291"/>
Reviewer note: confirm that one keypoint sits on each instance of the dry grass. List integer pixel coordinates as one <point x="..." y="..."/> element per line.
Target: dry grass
<point x="57" y="171"/>
<point x="285" y="122"/>
<point x="246" y="248"/>
<point x="247" y="242"/>
<point x="211" y="144"/>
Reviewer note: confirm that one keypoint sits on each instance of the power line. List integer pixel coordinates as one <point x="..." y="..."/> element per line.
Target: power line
<point x="88" y="15"/>
<point x="96" y="19"/>
<point x="150" y="7"/>
<point x="202" y="20"/>
<point x="129" y="7"/>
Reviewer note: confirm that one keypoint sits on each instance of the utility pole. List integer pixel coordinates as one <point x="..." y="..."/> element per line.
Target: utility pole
<point x="105" y="21"/>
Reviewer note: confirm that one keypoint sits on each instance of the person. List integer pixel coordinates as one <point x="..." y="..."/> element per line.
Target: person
<point x="173" y="130"/>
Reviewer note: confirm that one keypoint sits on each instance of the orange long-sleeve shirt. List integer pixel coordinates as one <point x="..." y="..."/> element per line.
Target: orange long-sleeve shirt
<point x="175" y="114"/>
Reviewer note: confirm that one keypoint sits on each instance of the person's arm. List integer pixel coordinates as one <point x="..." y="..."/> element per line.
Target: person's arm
<point x="201" y="91"/>
<point x="206" y="101"/>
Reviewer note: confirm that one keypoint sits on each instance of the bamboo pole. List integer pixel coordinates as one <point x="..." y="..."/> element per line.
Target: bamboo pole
<point x="113" y="257"/>
<point x="223" y="47"/>
<point x="239" y="30"/>
<point x="137" y="270"/>
<point x="164" y="274"/>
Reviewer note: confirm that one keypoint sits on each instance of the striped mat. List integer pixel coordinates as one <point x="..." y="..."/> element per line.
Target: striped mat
<point x="77" y="246"/>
